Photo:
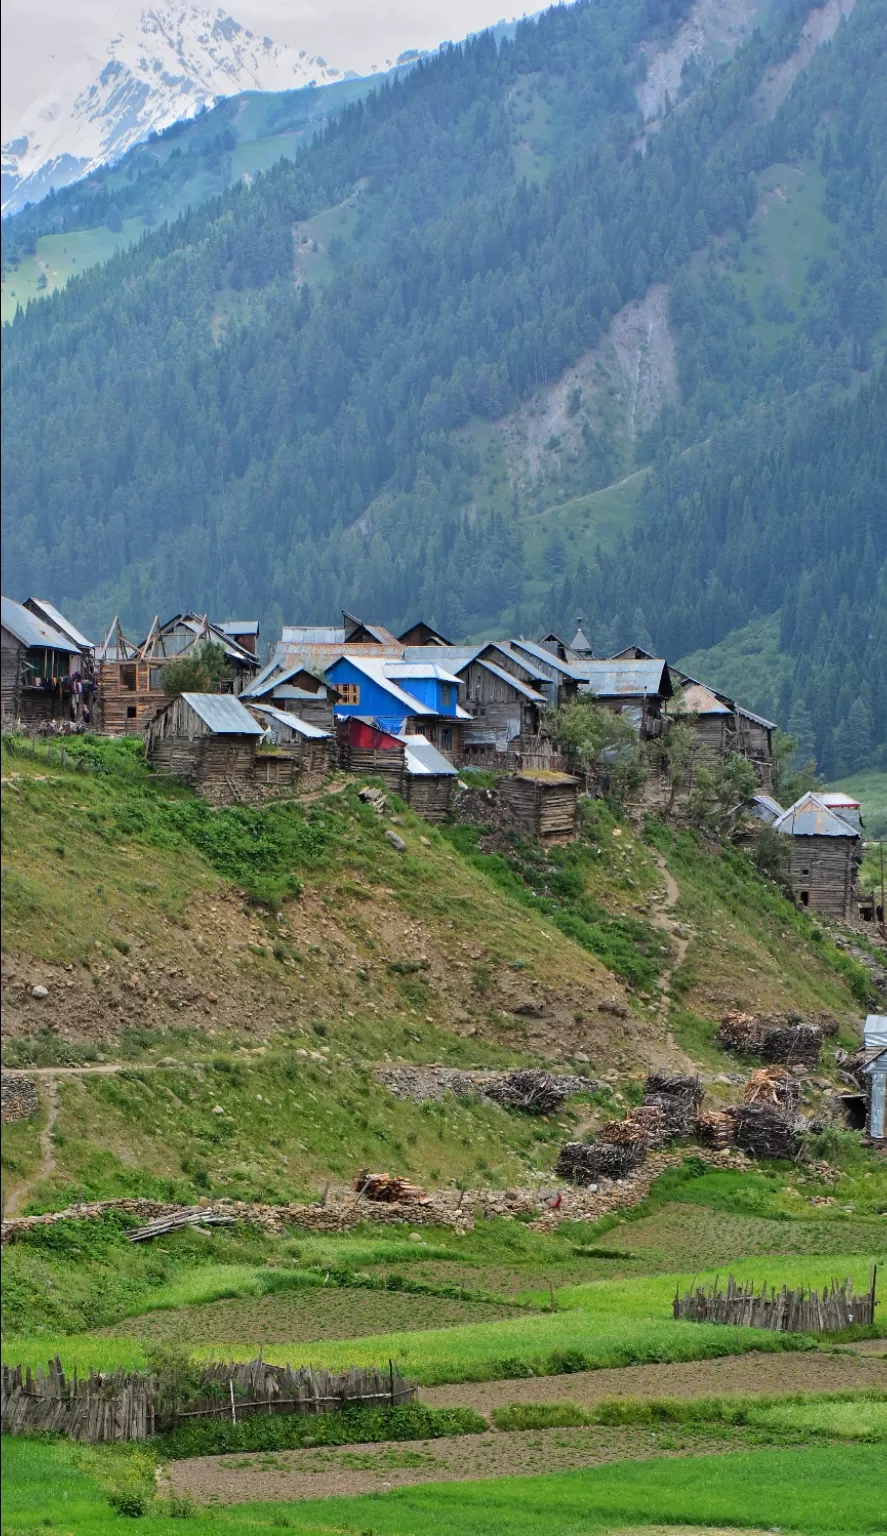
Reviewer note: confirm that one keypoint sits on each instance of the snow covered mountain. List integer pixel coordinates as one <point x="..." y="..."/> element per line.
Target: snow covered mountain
<point x="161" y="67"/>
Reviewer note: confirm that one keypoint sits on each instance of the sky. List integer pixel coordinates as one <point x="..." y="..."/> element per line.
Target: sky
<point x="42" y="38"/>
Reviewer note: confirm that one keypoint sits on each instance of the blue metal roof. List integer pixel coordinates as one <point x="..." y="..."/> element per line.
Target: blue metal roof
<point x="31" y="631"/>
<point x="223" y="713"/>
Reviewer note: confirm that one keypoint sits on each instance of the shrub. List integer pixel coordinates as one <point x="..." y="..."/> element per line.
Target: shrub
<point x="353" y="1426"/>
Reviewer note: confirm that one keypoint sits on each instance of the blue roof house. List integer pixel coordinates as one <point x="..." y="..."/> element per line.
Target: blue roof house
<point x="404" y="698"/>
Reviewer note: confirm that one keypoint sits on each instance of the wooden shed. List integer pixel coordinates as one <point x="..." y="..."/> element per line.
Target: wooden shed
<point x="297" y="690"/>
<point x="209" y="740"/>
<point x="825" y="853"/>
<point x="310" y="749"/>
<point x="428" y="778"/>
<point x="544" y="804"/>
<point x="40" y="669"/>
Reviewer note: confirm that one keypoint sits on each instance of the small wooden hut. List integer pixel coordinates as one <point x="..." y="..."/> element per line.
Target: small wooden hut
<point x="544" y="804"/>
<point x="209" y="740"/>
<point x="825" y="853"/>
<point x="428" y="780"/>
<point x="310" y="749"/>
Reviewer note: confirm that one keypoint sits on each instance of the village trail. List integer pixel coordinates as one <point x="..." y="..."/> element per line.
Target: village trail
<point x="46" y="1166"/>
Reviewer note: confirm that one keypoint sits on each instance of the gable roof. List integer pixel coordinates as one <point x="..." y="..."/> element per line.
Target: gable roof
<point x="696" y="699"/>
<point x="294" y="722"/>
<point x="375" y="670"/>
<point x="811" y="817"/>
<point x="47" y="611"/>
<point x="223" y="713"/>
<point x="547" y="658"/>
<point x="421" y="670"/>
<point x="625" y="679"/>
<point x="456" y="657"/>
<point x="199" y="625"/>
<point x="33" y="632"/>
<point x="237" y="627"/>
<point x="271" y="678"/>
<point x="429" y="635"/>
<point x="523" y="689"/>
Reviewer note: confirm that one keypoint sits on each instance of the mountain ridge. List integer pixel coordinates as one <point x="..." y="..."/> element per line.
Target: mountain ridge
<point x="174" y="63"/>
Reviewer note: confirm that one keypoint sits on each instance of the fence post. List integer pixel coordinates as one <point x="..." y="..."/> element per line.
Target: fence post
<point x="233" y="1409"/>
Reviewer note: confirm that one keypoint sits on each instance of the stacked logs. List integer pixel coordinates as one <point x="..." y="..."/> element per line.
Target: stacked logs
<point x="716" y="1128"/>
<point x="585" y="1164"/>
<point x="645" y="1126"/>
<point x="536" y="1093"/>
<point x="679" y="1099"/>
<point x="740" y="1032"/>
<point x="774" y="1086"/>
<point x="388" y="1189"/>
<point x="791" y="1044"/>
<point x="765" y="1131"/>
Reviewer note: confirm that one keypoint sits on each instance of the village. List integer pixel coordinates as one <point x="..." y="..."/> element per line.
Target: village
<point x="413" y="710"/>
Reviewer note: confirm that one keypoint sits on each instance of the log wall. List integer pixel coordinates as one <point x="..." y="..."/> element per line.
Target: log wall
<point x="545" y="808"/>
<point x="823" y="872"/>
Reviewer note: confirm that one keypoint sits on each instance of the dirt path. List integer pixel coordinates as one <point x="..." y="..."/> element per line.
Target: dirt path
<point x="46" y="1165"/>
<point x="768" y="1375"/>
<point x="357" y="1469"/>
<point x="102" y="1067"/>
<point x="663" y="919"/>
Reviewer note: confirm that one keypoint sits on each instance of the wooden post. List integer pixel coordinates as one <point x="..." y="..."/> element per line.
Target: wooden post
<point x="233" y="1409"/>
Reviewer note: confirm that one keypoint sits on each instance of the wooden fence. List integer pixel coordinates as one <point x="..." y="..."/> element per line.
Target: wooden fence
<point x="135" y="1405"/>
<point x="782" y="1311"/>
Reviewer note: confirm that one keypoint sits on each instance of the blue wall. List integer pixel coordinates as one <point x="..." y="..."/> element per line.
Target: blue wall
<point x="374" y="701"/>
<point x="429" y="690"/>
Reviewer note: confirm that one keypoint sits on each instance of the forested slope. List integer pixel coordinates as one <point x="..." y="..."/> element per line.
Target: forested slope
<point x="191" y="425"/>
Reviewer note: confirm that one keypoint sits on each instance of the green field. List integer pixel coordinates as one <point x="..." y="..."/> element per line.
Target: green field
<point x="870" y="789"/>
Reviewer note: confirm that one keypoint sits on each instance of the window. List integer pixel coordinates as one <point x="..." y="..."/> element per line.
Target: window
<point x="445" y="695"/>
<point x="156" y="680"/>
<point x="130" y="712"/>
<point x="128" y="678"/>
<point x="349" y="693"/>
<point x="446" y="740"/>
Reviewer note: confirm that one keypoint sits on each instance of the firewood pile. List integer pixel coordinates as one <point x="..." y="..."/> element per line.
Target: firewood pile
<point x="586" y="1164"/>
<point x="765" y="1131"/>
<point x="388" y="1189"/>
<point x="536" y="1093"/>
<point x="772" y="1037"/>
<point x="794" y="1045"/>
<point x="374" y="798"/>
<point x="644" y="1126"/>
<point x="678" y="1098"/>
<point x="775" y="1086"/>
<point x="716" y="1128"/>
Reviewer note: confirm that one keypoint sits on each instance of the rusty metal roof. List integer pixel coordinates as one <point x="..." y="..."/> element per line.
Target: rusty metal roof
<point x="696" y="699"/>
<point x="811" y="817"/>
<point x="624" y="679"/>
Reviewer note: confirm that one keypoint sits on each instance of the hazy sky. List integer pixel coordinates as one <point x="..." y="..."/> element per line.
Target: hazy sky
<point x="41" y="38"/>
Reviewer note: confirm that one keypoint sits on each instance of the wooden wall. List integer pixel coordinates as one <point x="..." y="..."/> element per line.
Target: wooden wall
<point x="824" y="873"/>
<point x="545" y="808"/>
<point x="429" y="794"/>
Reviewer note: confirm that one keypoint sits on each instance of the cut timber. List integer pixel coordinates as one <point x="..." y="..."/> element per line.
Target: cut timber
<point x="388" y="1189"/>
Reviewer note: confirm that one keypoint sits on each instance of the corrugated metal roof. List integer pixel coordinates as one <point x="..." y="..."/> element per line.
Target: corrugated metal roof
<point x="749" y="714"/>
<point x="223" y="713"/>
<point x="273" y="677"/>
<point x="454" y="656"/>
<point x="541" y="654"/>
<point x="768" y="804"/>
<point x="624" y="679"/>
<point x="523" y="689"/>
<point x="696" y="699"/>
<point x="833" y="800"/>
<point x="423" y="759"/>
<point x="32" y="631"/>
<point x="59" y="622"/>
<point x="239" y="627"/>
<point x="419" y="670"/>
<point x="875" y="1031"/>
<point x="294" y="722"/>
<point x="313" y="634"/>
<point x="809" y="817"/>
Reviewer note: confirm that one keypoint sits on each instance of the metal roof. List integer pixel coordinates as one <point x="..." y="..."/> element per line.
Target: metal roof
<point x="421" y="669"/>
<point x="768" y="803"/>
<point x="237" y="627"/>
<point x="834" y="799"/>
<point x="810" y="817"/>
<point x="223" y="713"/>
<point x="31" y="631"/>
<point x="271" y="678"/>
<point x="696" y="699"/>
<point x="424" y="759"/>
<point x="624" y="679"/>
<point x="59" y="622"/>
<point x="522" y="688"/>
<point x="294" y="722"/>
<point x="312" y="634"/>
<point x="579" y="642"/>
<point x="547" y="658"/>
<point x="875" y="1031"/>
<point x="749" y="714"/>
<point x="455" y="656"/>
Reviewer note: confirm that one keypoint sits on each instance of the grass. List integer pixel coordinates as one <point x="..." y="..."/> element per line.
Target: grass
<point x="60" y="257"/>
<point x="870" y="789"/>
<point x="603" y="1324"/>
<point x="822" y="1491"/>
<point x="833" y="1415"/>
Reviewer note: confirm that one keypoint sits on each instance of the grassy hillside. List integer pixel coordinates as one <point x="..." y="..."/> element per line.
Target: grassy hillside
<point x="248" y="967"/>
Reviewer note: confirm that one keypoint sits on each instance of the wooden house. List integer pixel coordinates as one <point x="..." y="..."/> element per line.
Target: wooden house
<point x="403" y="698"/>
<point x="130" y="677"/>
<point x="544" y="804"/>
<point x="722" y="727"/>
<point x="209" y="740"/>
<point x="421" y="633"/>
<point x="297" y="690"/>
<point x="41" y="670"/>
<point x="638" y="689"/>
<point x="311" y="749"/>
<point x="824" y="856"/>
<point x="244" y="631"/>
<point x="365" y="749"/>
<point x="502" y="694"/>
<point x="555" y="674"/>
